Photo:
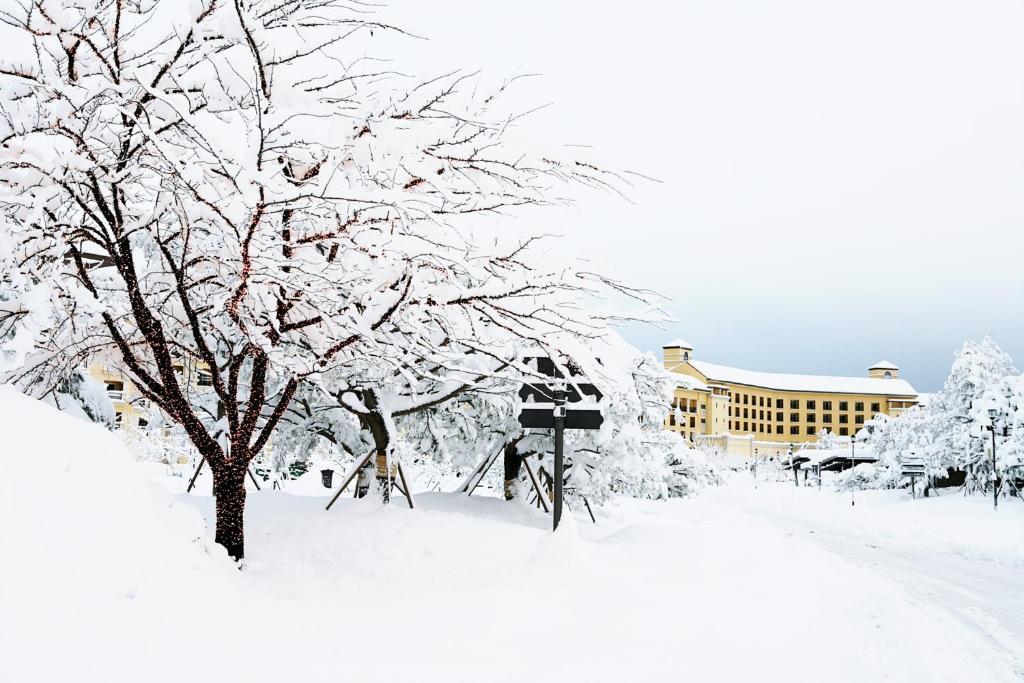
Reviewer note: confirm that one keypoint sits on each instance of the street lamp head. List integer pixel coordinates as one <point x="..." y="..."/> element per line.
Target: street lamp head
<point x="992" y="413"/>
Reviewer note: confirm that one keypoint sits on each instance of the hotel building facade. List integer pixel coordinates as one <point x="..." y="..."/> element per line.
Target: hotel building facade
<point x="131" y="408"/>
<point x="750" y="412"/>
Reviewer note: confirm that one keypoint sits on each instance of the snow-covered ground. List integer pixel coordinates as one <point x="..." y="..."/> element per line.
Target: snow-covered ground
<point x="949" y="551"/>
<point x="107" y="577"/>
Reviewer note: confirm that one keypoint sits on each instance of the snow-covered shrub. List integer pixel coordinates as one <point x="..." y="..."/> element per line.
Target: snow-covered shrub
<point x="84" y="395"/>
<point x="863" y="477"/>
<point x="691" y="473"/>
<point x="827" y="440"/>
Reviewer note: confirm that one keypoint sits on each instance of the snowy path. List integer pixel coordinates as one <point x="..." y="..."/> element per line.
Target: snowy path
<point x="985" y="595"/>
<point x="730" y="586"/>
<point x="689" y="588"/>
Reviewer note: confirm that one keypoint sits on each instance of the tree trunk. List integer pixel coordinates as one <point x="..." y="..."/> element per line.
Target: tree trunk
<point x="229" y="489"/>
<point x="374" y="422"/>
<point x="513" y="465"/>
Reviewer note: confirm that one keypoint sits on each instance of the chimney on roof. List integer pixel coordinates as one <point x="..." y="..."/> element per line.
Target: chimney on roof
<point x="677" y="352"/>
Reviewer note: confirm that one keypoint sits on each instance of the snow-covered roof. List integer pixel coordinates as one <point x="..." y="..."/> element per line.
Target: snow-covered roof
<point x="884" y="365"/>
<point x="688" y="382"/>
<point x="679" y="343"/>
<point x="810" y="383"/>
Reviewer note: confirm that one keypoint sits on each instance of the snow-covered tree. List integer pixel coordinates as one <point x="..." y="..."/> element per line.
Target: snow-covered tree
<point x="979" y="367"/>
<point x="827" y="440"/>
<point x="232" y="185"/>
<point x="948" y="433"/>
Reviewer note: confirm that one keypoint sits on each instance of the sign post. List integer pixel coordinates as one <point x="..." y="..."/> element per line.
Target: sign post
<point x="547" y="409"/>
<point x="559" y="415"/>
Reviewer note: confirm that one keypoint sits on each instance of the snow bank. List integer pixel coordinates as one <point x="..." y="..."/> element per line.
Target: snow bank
<point x="87" y="543"/>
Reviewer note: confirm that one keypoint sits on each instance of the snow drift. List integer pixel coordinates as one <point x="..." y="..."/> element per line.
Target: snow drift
<point x="87" y="543"/>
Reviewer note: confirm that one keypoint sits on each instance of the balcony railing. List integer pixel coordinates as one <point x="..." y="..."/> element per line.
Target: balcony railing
<point x="115" y="394"/>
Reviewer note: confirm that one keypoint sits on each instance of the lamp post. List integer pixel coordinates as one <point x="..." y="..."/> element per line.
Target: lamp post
<point x="756" y="455"/>
<point x="853" y="464"/>
<point x="993" y="413"/>
<point x="796" y="482"/>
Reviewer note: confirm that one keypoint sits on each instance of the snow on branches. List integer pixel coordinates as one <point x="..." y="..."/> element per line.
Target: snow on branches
<point x="948" y="431"/>
<point x="236" y="186"/>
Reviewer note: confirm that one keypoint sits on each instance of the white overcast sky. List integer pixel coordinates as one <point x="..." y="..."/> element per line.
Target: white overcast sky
<point x="842" y="182"/>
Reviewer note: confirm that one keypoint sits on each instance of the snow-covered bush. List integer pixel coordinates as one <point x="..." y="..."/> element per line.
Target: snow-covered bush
<point x="827" y="440"/>
<point x="863" y="477"/>
<point x="691" y="472"/>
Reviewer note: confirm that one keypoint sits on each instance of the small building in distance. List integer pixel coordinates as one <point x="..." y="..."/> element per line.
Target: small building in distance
<point x="748" y="411"/>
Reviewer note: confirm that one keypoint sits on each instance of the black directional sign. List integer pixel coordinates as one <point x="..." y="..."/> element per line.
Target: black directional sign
<point x="544" y="418"/>
<point x="545" y="393"/>
<point x="539" y="399"/>
<point x="542" y="392"/>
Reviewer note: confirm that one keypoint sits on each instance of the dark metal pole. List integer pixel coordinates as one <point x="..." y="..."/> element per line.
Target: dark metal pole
<point x="995" y="476"/>
<point x="559" y="460"/>
<point x="853" y="464"/>
<point x="195" y="476"/>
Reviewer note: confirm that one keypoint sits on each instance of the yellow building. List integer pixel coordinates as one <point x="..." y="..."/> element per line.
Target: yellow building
<point x="748" y="412"/>
<point x="131" y="408"/>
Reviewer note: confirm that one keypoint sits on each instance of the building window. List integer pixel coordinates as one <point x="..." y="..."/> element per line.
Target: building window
<point x="730" y="411"/>
<point x="745" y="398"/>
<point x="693" y="422"/>
<point x="115" y="390"/>
<point x="760" y="401"/>
<point x="778" y="416"/>
<point x="876" y="408"/>
<point x="760" y="415"/>
<point x="794" y="417"/>
<point x="769" y="416"/>
<point x="794" y="404"/>
<point x="843" y="431"/>
<point x="778" y="429"/>
<point x="859" y="419"/>
<point x="810" y="417"/>
<point x="826" y="418"/>
<point x="778" y="403"/>
<point x="204" y="379"/>
<point x="843" y="419"/>
<point x="745" y="413"/>
<point x="671" y="419"/>
<point x="119" y="419"/>
<point x="843" y="405"/>
<point x="760" y="428"/>
<point x="745" y="425"/>
<point x="810" y="405"/>
<point x="826" y="405"/>
<point x="888" y="374"/>
<point x="794" y="430"/>
<point x="143" y="422"/>
<point x="810" y="431"/>
<point x="859" y="406"/>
